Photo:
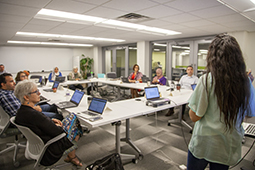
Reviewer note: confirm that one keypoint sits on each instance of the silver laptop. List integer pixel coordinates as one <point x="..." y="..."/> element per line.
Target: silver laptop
<point x="152" y="93"/>
<point x="74" y="101"/>
<point x="55" y="85"/>
<point x="96" y="108"/>
<point x="249" y="129"/>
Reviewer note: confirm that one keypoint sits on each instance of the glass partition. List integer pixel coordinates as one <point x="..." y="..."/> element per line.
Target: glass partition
<point x="132" y="59"/>
<point x="108" y="61"/>
<point x="201" y="58"/>
<point x="120" y="59"/>
<point x="158" y="58"/>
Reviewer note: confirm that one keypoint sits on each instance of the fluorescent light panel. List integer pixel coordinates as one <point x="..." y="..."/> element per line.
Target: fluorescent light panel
<point x="162" y="45"/>
<point x="97" y="21"/>
<point x="68" y="36"/>
<point x="253" y="1"/>
<point x="50" y="43"/>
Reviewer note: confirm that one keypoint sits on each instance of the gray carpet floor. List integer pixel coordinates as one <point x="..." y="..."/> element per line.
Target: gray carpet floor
<point x="164" y="147"/>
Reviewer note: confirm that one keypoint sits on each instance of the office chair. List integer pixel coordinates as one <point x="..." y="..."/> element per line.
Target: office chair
<point x="35" y="146"/>
<point x="6" y="131"/>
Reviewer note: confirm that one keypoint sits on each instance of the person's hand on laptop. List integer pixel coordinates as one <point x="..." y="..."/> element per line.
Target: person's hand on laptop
<point x="38" y="108"/>
<point x="57" y="122"/>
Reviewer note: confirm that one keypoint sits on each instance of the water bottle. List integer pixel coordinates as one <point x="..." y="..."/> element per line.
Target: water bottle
<point x="91" y="74"/>
<point x="172" y="86"/>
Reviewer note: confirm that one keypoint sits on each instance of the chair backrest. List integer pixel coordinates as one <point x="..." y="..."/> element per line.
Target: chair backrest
<point x="34" y="142"/>
<point x="145" y="79"/>
<point x="4" y="122"/>
<point x="111" y="75"/>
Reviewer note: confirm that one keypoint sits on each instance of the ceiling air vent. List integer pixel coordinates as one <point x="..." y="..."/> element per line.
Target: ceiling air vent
<point x="132" y="17"/>
<point x="53" y="40"/>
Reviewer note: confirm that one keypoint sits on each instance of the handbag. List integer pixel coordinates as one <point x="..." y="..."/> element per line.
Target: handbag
<point x="71" y="126"/>
<point x="110" y="162"/>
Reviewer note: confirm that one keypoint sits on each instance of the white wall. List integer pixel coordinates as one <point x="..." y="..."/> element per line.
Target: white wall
<point x="143" y="57"/>
<point x="37" y="59"/>
<point x="246" y="41"/>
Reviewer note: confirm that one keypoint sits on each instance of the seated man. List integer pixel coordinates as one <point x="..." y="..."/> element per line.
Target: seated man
<point x="75" y="75"/>
<point x="11" y="104"/>
<point x="186" y="81"/>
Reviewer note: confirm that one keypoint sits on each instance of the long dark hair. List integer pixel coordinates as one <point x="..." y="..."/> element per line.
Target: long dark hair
<point x="226" y="64"/>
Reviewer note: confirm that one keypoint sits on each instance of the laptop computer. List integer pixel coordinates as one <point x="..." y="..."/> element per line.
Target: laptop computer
<point x="60" y="79"/>
<point x="96" y="108"/>
<point x="55" y="85"/>
<point x="249" y="129"/>
<point x="74" y="101"/>
<point x="153" y="96"/>
<point x="193" y="86"/>
<point x="125" y="80"/>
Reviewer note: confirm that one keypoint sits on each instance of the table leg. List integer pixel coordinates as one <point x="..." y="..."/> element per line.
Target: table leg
<point x="123" y="156"/>
<point x="92" y="89"/>
<point x="179" y="120"/>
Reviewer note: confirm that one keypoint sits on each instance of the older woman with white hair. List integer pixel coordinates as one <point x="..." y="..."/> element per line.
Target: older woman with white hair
<point x="75" y="75"/>
<point x="46" y="128"/>
<point x="159" y="78"/>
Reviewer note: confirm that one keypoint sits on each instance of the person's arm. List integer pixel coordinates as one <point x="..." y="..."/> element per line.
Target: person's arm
<point x="193" y="116"/>
<point x="139" y="76"/>
<point x="129" y="78"/>
<point x="71" y="77"/>
<point x="154" y="80"/>
<point x="50" y="78"/>
<point x="10" y="104"/>
<point x="60" y="74"/>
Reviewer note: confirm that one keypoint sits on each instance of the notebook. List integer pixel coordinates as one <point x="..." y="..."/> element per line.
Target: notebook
<point x="96" y="108"/>
<point x="249" y="129"/>
<point x="60" y="79"/>
<point x="152" y="93"/>
<point x="55" y="85"/>
<point x="74" y="101"/>
<point x="193" y="86"/>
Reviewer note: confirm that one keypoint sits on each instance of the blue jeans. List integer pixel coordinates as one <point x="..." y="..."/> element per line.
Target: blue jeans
<point x="200" y="164"/>
<point x="51" y="111"/>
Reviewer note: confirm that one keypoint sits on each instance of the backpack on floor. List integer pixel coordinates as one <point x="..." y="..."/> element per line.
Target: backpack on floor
<point x="110" y="162"/>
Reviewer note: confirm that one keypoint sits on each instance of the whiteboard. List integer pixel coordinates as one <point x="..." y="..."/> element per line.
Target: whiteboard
<point x="35" y="59"/>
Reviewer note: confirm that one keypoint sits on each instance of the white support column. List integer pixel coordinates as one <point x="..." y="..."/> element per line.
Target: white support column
<point x="97" y="56"/>
<point x="143" y="57"/>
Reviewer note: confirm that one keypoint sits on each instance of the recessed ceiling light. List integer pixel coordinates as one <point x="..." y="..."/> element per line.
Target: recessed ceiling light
<point x="162" y="45"/>
<point x="68" y="36"/>
<point x="50" y="43"/>
<point x="97" y="21"/>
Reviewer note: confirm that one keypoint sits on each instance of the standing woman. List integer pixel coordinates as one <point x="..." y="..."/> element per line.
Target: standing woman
<point x="54" y="74"/>
<point x="133" y="77"/>
<point x="221" y="100"/>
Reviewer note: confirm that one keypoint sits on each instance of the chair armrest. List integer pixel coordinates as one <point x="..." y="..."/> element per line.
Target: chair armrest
<point x="55" y="139"/>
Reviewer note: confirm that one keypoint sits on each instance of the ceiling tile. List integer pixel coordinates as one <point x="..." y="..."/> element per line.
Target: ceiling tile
<point x="185" y="17"/>
<point x="250" y="14"/>
<point x="159" y="11"/>
<point x="28" y="3"/>
<point x="192" y="5"/>
<point x="69" y="6"/>
<point x="14" y="18"/>
<point x="130" y="5"/>
<point x="161" y="1"/>
<point x="105" y="12"/>
<point x="240" y="23"/>
<point x="213" y="12"/>
<point x="96" y="2"/>
<point x="197" y="23"/>
<point x="35" y="21"/>
<point x="17" y="10"/>
<point x="36" y="28"/>
<point x="216" y="29"/>
<point x="227" y="18"/>
<point x="10" y="25"/>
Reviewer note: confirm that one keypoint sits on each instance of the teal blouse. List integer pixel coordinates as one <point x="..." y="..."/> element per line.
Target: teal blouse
<point x="210" y="140"/>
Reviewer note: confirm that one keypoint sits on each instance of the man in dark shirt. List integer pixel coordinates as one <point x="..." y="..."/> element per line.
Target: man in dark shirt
<point x="11" y="104"/>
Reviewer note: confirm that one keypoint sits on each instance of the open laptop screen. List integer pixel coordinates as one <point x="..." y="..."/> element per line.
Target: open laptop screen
<point x="77" y="96"/>
<point x="97" y="105"/>
<point x="152" y="92"/>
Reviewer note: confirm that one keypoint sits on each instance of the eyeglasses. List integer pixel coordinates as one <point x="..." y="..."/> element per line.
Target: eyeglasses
<point x="23" y="76"/>
<point x="37" y="92"/>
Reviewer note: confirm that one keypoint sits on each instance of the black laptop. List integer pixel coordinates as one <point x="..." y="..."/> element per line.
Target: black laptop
<point x="55" y="85"/>
<point x="60" y="79"/>
<point x="74" y="101"/>
<point x="125" y="80"/>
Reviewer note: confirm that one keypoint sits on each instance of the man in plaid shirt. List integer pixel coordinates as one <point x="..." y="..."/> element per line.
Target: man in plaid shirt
<point x="11" y="104"/>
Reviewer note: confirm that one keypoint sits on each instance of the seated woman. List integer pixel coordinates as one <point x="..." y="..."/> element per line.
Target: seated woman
<point x="20" y="76"/>
<point x="134" y="77"/>
<point x="159" y="79"/>
<point x="54" y="74"/>
<point x="46" y="128"/>
<point x="75" y="75"/>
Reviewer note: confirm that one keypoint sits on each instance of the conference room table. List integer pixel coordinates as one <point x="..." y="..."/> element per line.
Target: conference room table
<point x="119" y="111"/>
